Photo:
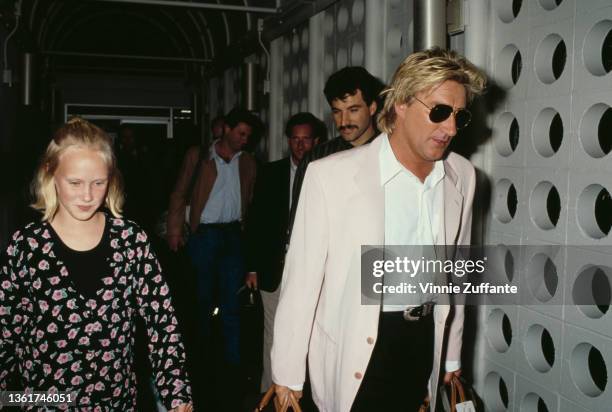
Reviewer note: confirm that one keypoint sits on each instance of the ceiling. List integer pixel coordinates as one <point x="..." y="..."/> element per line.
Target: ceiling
<point x="129" y="36"/>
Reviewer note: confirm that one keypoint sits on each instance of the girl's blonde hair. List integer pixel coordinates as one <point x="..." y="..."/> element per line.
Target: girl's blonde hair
<point x="79" y="133"/>
<point x="423" y="71"/>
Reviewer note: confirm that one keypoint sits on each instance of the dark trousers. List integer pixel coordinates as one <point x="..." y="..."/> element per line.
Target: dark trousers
<point x="399" y="368"/>
<point x="216" y="253"/>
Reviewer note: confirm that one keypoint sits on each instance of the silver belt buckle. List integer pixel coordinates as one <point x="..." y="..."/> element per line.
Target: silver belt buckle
<point x="416" y="313"/>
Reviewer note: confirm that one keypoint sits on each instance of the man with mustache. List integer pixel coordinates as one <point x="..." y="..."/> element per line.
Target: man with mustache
<point x="352" y="94"/>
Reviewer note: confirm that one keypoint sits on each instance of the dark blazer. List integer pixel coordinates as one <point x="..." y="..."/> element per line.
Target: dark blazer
<point x="267" y="221"/>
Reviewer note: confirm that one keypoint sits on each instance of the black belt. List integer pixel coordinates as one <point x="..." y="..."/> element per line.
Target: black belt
<point x="414" y="313"/>
<point x="223" y="226"/>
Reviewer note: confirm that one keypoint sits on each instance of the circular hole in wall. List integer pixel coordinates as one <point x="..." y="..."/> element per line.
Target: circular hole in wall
<point x="506" y="201"/>
<point x="342" y="58"/>
<point x="499" y="330"/>
<point x="597" y="49"/>
<point x="550" y="4"/>
<point x="533" y="403"/>
<point x="545" y="205"/>
<point x="539" y="348"/>
<point x="394" y="41"/>
<point x="594" y="206"/>
<point x="501" y="265"/>
<point x="595" y="127"/>
<point x="343" y="18"/>
<point x="550" y="58"/>
<point x="588" y="370"/>
<point x="548" y="132"/>
<point x="542" y="277"/>
<point x="357" y="12"/>
<point x="508" y="10"/>
<point x="495" y="393"/>
<point x="507" y="132"/>
<point x="591" y="291"/>
<point x="509" y="66"/>
<point x="357" y="54"/>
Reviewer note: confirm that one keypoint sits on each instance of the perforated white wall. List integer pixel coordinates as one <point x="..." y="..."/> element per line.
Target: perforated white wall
<point x="549" y="163"/>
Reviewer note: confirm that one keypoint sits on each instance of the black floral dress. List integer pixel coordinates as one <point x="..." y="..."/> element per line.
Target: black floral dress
<point x="62" y="341"/>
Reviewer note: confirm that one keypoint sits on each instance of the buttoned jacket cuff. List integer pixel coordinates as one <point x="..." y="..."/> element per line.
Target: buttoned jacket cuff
<point x="451" y="366"/>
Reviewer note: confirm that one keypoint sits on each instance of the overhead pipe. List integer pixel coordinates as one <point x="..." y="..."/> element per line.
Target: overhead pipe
<point x="249" y="86"/>
<point x="27" y="79"/>
<point x="194" y="5"/>
<point x="429" y="24"/>
<point x="126" y="56"/>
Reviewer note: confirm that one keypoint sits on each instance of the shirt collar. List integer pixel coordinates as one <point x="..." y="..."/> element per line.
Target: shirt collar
<point x="293" y="165"/>
<point x="390" y="167"/>
<point x="215" y="156"/>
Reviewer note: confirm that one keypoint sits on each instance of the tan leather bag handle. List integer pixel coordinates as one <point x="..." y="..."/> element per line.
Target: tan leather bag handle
<point x="270" y="394"/>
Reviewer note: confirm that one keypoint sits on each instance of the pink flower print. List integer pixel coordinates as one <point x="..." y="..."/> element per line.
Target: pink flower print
<point x="166" y="303"/>
<point x="63" y="358"/>
<point x="105" y="343"/>
<point x="61" y="343"/>
<point x="54" y="280"/>
<point x="10" y="250"/>
<point x="104" y="371"/>
<point x="174" y="338"/>
<point x="84" y="340"/>
<point x="115" y="318"/>
<point x="164" y="290"/>
<point x="99" y="386"/>
<point x="6" y="284"/>
<point x="43" y="347"/>
<point x="147" y="268"/>
<point x="71" y="304"/>
<point x="47" y="369"/>
<point x="107" y="280"/>
<point x="97" y="326"/>
<point x="72" y="333"/>
<point x="141" y="237"/>
<point x="117" y="377"/>
<point x="46" y="234"/>
<point x="58" y="295"/>
<point x="43" y="265"/>
<point x="145" y="290"/>
<point x="28" y="364"/>
<point x="124" y="234"/>
<point x="89" y="388"/>
<point x="170" y="328"/>
<point x="115" y="243"/>
<point x="84" y="400"/>
<point x="76" y="366"/>
<point x="168" y="363"/>
<point x="89" y="328"/>
<point x="102" y="310"/>
<point x="121" y="339"/>
<point x="63" y="271"/>
<point x="32" y="243"/>
<point x="58" y="374"/>
<point x="55" y="311"/>
<point x="117" y="257"/>
<point x="40" y="333"/>
<point x="74" y="318"/>
<point x="90" y="355"/>
<point x="46" y="248"/>
<point x="108" y="295"/>
<point x="117" y="392"/>
<point x="52" y="328"/>
<point x="130" y="254"/>
<point x="155" y="305"/>
<point x="44" y="306"/>
<point x="3" y="310"/>
<point x="76" y="380"/>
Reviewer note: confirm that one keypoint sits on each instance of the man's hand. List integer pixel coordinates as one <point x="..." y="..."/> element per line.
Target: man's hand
<point x="282" y="395"/>
<point x="251" y="280"/>
<point x="175" y="242"/>
<point x="449" y="375"/>
<point x="185" y="407"/>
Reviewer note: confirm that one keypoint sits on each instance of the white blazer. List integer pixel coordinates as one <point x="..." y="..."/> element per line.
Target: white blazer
<point x="320" y="314"/>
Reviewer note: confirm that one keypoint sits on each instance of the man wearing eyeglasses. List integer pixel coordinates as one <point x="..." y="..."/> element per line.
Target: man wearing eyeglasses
<point x="268" y="219"/>
<point x="404" y="188"/>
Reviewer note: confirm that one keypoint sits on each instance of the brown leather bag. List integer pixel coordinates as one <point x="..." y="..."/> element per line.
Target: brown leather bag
<point x="271" y="394"/>
<point x="456" y="391"/>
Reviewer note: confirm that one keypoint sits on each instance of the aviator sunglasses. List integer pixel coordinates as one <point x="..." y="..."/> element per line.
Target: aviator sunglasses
<point x="441" y="112"/>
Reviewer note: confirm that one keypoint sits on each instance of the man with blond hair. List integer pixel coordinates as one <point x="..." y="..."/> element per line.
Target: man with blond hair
<point x="405" y="188"/>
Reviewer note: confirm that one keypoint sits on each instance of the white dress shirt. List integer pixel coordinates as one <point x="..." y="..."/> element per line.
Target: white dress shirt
<point x="292" y="169"/>
<point x="223" y="205"/>
<point x="413" y="209"/>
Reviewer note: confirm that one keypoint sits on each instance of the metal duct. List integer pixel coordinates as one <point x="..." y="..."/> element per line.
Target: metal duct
<point x="249" y="86"/>
<point x="27" y="79"/>
<point x="429" y="24"/>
